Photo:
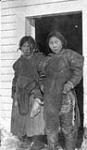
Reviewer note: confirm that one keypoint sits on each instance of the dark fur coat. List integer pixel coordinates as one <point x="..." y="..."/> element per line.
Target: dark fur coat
<point x="58" y="69"/>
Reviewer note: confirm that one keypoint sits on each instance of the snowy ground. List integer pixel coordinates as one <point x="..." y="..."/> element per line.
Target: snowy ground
<point x="11" y="142"/>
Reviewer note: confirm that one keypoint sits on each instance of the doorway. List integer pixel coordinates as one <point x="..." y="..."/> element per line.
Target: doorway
<point x="70" y="25"/>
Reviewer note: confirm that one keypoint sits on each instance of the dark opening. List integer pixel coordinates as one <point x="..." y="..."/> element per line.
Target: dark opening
<point x="70" y="25"/>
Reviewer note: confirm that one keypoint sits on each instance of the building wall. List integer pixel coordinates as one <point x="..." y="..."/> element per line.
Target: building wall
<point x="8" y="55"/>
<point x="14" y="14"/>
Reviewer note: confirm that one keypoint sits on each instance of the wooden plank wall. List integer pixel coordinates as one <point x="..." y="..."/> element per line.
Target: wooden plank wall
<point x="8" y="55"/>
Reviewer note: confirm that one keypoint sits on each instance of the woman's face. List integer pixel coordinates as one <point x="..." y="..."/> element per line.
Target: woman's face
<point x="26" y="49"/>
<point x="55" y="44"/>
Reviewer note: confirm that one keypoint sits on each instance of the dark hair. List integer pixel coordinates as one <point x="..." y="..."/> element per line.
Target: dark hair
<point x="59" y="36"/>
<point x="28" y="39"/>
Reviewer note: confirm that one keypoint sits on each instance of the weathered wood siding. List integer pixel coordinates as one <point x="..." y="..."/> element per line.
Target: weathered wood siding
<point x="8" y="56"/>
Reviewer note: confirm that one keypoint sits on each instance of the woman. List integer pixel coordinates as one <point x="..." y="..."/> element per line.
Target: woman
<point x="25" y="91"/>
<point x="62" y="69"/>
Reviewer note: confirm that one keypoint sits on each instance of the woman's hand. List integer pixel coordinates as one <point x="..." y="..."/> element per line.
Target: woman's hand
<point x="67" y="87"/>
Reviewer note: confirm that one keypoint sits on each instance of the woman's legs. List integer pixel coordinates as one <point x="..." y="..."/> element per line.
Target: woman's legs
<point x="69" y="130"/>
<point x="70" y="141"/>
<point x="52" y="139"/>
